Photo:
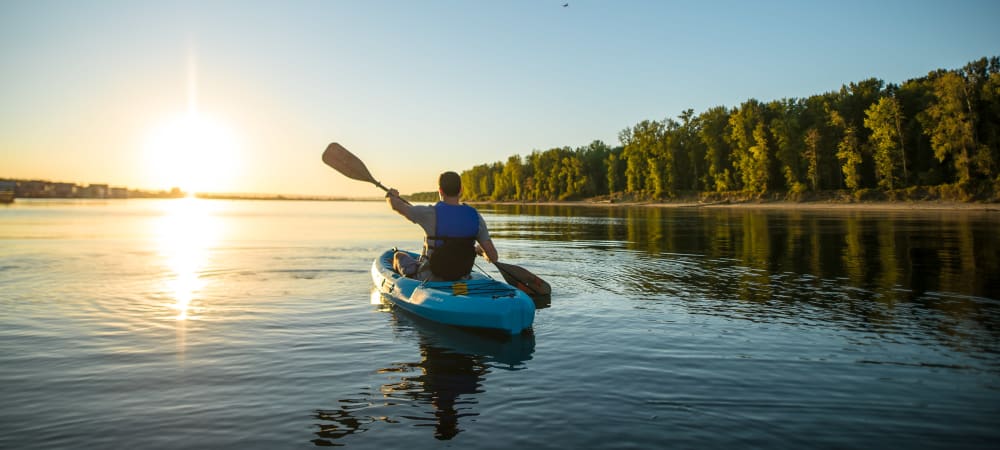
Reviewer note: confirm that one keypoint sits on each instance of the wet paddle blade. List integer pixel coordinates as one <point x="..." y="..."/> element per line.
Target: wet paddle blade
<point x="345" y="162"/>
<point x="524" y="280"/>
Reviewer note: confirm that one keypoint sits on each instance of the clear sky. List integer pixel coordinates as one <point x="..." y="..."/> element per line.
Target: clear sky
<point x="110" y="91"/>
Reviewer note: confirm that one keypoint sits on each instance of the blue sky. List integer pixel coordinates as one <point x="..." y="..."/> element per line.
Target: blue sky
<point x="415" y="88"/>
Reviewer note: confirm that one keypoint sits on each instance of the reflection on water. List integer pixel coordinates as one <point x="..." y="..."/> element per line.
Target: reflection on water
<point x="955" y="251"/>
<point x="919" y="273"/>
<point x="441" y="387"/>
<point x="185" y="233"/>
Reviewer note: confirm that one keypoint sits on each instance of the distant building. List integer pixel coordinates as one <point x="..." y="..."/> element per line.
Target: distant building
<point x="7" y="191"/>
<point x="95" y="191"/>
<point x="62" y="190"/>
<point x="32" y="189"/>
<point x="49" y="189"/>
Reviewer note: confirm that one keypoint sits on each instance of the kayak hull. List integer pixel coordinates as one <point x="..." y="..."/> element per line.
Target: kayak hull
<point x="478" y="302"/>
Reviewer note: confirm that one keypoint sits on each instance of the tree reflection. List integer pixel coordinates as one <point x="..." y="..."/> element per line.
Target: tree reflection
<point x="443" y="386"/>
<point x="853" y="267"/>
<point x="925" y="250"/>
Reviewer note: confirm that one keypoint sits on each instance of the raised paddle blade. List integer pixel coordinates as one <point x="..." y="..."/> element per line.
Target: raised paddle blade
<point x="524" y="280"/>
<point x="351" y="166"/>
<point x="345" y="162"/>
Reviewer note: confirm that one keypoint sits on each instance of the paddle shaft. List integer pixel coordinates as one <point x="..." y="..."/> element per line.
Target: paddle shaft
<point x="376" y="183"/>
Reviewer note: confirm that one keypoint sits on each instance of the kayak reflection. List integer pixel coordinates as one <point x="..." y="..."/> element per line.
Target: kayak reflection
<point x="448" y="378"/>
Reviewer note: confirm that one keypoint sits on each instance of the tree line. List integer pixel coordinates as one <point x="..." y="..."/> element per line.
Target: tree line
<point x="940" y="131"/>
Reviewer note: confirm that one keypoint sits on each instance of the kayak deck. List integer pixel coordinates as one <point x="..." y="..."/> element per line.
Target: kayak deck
<point x="478" y="302"/>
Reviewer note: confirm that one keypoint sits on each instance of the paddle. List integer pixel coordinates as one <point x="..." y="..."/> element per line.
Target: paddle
<point x="345" y="162"/>
<point x="337" y="157"/>
<point x="524" y="280"/>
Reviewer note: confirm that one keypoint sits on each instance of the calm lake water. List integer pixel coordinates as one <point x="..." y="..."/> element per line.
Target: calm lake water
<point x="242" y="324"/>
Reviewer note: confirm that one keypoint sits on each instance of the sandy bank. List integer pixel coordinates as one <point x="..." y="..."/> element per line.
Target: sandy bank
<point x="813" y="205"/>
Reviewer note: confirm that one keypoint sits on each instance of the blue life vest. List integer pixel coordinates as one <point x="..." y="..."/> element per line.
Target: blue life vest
<point x="455" y="231"/>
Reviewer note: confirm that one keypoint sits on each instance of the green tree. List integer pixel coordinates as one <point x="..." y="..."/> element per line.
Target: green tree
<point x="594" y="157"/>
<point x="851" y="103"/>
<point x="516" y="172"/>
<point x="615" y="168"/>
<point x="505" y="182"/>
<point x="885" y="120"/>
<point x="914" y="97"/>
<point x="538" y="186"/>
<point x="644" y="154"/>
<point x="572" y="178"/>
<point x="989" y="155"/>
<point x="823" y="136"/>
<point x="848" y="152"/>
<point x="813" y="143"/>
<point x="665" y="172"/>
<point x="950" y="126"/>
<point x="713" y="135"/>
<point x="786" y="130"/>
<point x="760" y="161"/>
<point x="981" y="100"/>
<point x="941" y="128"/>
<point x="751" y="151"/>
<point x="689" y="158"/>
<point x="477" y="182"/>
<point x="630" y="158"/>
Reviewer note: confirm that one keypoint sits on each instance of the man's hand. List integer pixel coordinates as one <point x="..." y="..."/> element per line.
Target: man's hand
<point x="487" y="250"/>
<point x="397" y="203"/>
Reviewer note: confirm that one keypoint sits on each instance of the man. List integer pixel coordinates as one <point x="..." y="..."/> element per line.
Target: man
<point x="452" y="231"/>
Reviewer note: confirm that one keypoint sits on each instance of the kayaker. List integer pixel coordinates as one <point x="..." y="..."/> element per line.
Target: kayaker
<point x="454" y="233"/>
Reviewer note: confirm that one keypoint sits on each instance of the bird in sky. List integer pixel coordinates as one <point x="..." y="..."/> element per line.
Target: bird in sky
<point x="565" y="5"/>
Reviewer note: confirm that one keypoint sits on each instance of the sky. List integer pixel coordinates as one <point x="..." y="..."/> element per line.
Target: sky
<point x="244" y="96"/>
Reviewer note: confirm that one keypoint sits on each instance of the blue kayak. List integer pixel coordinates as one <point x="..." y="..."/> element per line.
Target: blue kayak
<point x="478" y="302"/>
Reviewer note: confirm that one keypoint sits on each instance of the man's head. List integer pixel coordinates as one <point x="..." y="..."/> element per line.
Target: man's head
<point x="450" y="184"/>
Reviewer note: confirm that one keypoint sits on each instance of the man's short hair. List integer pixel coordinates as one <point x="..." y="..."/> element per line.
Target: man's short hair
<point x="450" y="183"/>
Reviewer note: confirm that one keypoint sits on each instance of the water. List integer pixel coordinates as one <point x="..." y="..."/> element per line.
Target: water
<point x="240" y="324"/>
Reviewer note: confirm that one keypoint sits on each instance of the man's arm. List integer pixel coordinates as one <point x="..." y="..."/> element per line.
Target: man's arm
<point x="397" y="204"/>
<point x="487" y="250"/>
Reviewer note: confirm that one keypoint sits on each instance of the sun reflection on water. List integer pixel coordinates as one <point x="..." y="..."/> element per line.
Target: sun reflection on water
<point x="186" y="232"/>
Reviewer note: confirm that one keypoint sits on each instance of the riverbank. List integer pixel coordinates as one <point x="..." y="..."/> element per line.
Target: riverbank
<point x="916" y="198"/>
<point x="919" y="205"/>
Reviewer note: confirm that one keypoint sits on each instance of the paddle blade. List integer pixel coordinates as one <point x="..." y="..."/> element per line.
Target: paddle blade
<point x="524" y="280"/>
<point x="345" y="162"/>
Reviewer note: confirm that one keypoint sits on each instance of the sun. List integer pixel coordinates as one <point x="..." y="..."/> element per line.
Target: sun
<point x="194" y="152"/>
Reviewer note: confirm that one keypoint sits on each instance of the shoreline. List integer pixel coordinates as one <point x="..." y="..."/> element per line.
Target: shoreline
<point x="918" y="205"/>
<point x="909" y="205"/>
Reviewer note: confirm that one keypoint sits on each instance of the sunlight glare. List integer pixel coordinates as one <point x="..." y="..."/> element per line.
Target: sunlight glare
<point x="186" y="232"/>
<point x="194" y="152"/>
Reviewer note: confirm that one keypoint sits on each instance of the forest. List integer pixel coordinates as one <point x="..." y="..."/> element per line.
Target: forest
<point x="934" y="137"/>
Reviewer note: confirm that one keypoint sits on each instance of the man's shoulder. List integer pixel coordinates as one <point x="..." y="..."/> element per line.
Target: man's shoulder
<point x="421" y="212"/>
